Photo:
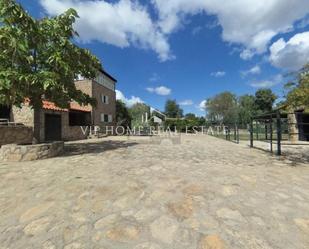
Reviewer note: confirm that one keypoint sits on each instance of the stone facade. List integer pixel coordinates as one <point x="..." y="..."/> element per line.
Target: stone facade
<point x="25" y="115"/>
<point x="19" y="153"/>
<point x="15" y="134"/>
<point x="95" y="88"/>
<point x="298" y="125"/>
<point x="101" y="108"/>
<point x="67" y="132"/>
<point x="293" y="127"/>
<point x="22" y="115"/>
<point x="85" y="86"/>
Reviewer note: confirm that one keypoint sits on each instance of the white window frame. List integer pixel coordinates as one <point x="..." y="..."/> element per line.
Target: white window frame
<point x="104" y="99"/>
<point x="106" y="118"/>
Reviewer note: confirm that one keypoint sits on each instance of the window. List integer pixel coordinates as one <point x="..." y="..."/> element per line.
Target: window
<point x="106" y="118"/>
<point x="104" y="99"/>
<point x="79" y="118"/>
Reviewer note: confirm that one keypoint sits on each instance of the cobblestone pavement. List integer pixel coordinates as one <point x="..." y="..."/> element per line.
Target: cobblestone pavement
<point x="204" y="193"/>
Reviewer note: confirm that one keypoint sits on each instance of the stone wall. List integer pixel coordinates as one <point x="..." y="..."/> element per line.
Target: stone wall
<point x="22" y="115"/>
<point x="85" y="86"/>
<point x="19" y="153"/>
<point x="72" y="133"/>
<point x="15" y="135"/>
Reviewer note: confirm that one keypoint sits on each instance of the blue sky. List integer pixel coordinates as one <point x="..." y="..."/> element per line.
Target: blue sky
<point x="190" y="50"/>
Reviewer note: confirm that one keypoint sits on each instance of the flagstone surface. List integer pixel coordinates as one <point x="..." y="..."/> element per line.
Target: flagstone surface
<point x="120" y="193"/>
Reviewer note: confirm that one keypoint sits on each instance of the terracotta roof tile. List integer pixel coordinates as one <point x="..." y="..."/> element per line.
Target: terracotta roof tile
<point x="73" y="106"/>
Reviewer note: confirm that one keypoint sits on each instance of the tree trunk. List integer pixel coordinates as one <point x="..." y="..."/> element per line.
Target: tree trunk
<point x="37" y="125"/>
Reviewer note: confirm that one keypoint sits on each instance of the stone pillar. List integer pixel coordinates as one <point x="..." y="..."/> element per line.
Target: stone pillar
<point x="293" y="127"/>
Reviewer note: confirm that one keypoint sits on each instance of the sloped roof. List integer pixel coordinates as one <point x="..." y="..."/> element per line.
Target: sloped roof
<point x="48" y="105"/>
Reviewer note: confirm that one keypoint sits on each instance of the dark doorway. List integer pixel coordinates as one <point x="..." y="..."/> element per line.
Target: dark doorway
<point x="5" y="112"/>
<point x="77" y="118"/>
<point x="303" y="127"/>
<point x="52" y="127"/>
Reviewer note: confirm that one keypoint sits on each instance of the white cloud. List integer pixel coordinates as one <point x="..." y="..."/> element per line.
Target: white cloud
<point x="122" y="24"/>
<point x="248" y="24"/>
<point x="275" y="80"/>
<point x="186" y="102"/>
<point x="251" y="24"/>
<point x="246" y="54"/>
<point x="161" y="90"/>
<point x="218" y="74"/>
<point x="292" y="54"/>
<point x="129" y="102"/>
<point x="154" y="78"/>
<point x="254" y="71"/>
<point x="202" y="105"/>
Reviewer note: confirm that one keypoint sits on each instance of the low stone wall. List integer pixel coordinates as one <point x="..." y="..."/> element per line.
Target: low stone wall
<point x="71" y="133"/>
<point x="15" y="135"/>
<point x="19" y="153"/>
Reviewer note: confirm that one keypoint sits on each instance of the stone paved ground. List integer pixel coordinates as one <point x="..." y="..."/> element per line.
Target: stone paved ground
<point x="295" y="153"/>
<point x="205" y="193"/>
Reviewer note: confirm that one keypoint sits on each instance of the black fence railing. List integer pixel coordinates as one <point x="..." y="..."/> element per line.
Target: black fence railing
<point x="229" y="132"/>
<point x="280" y="129"/>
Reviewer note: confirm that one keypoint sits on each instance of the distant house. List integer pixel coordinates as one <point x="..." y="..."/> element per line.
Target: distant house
<point x="157" y="116"/>
<point x="65" y="124"/>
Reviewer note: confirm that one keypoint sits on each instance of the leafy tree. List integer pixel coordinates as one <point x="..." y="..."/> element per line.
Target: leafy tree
<point x="222" y="108"/>
<point x="264" y="100"/>
<point x="190" y="116"/>
<point x="298" y="95"/>
<point x="172" y="109"/>
<point x="123" y="116"/>
<point x="175" y="124"/>
<point x="186" y="124"/>
<point x="202" y="121"/>
<point x="137" y="113"/>
<point x="247" y="109"/>
<point x="191" y="121"/>
<point x="39" y="60"/>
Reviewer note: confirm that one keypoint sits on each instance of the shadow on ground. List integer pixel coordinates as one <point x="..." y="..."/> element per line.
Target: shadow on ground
<point x="294" y="155"/>
<point x="72" y="149"/>
<point x="299" y="158"/>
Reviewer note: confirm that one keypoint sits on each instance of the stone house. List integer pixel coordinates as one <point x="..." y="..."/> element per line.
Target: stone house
<point x="65" y="124"/>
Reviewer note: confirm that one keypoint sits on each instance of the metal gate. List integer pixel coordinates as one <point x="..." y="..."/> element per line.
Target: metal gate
<point x="280" y="129"/>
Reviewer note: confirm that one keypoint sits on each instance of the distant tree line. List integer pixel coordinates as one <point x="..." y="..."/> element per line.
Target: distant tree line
<point x="227" y="108"/>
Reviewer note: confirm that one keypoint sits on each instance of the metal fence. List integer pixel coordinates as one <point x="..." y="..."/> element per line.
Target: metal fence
<point x="229" y="132"/>
<point x="6" y="122"/>
<point x="280" y="129"/>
